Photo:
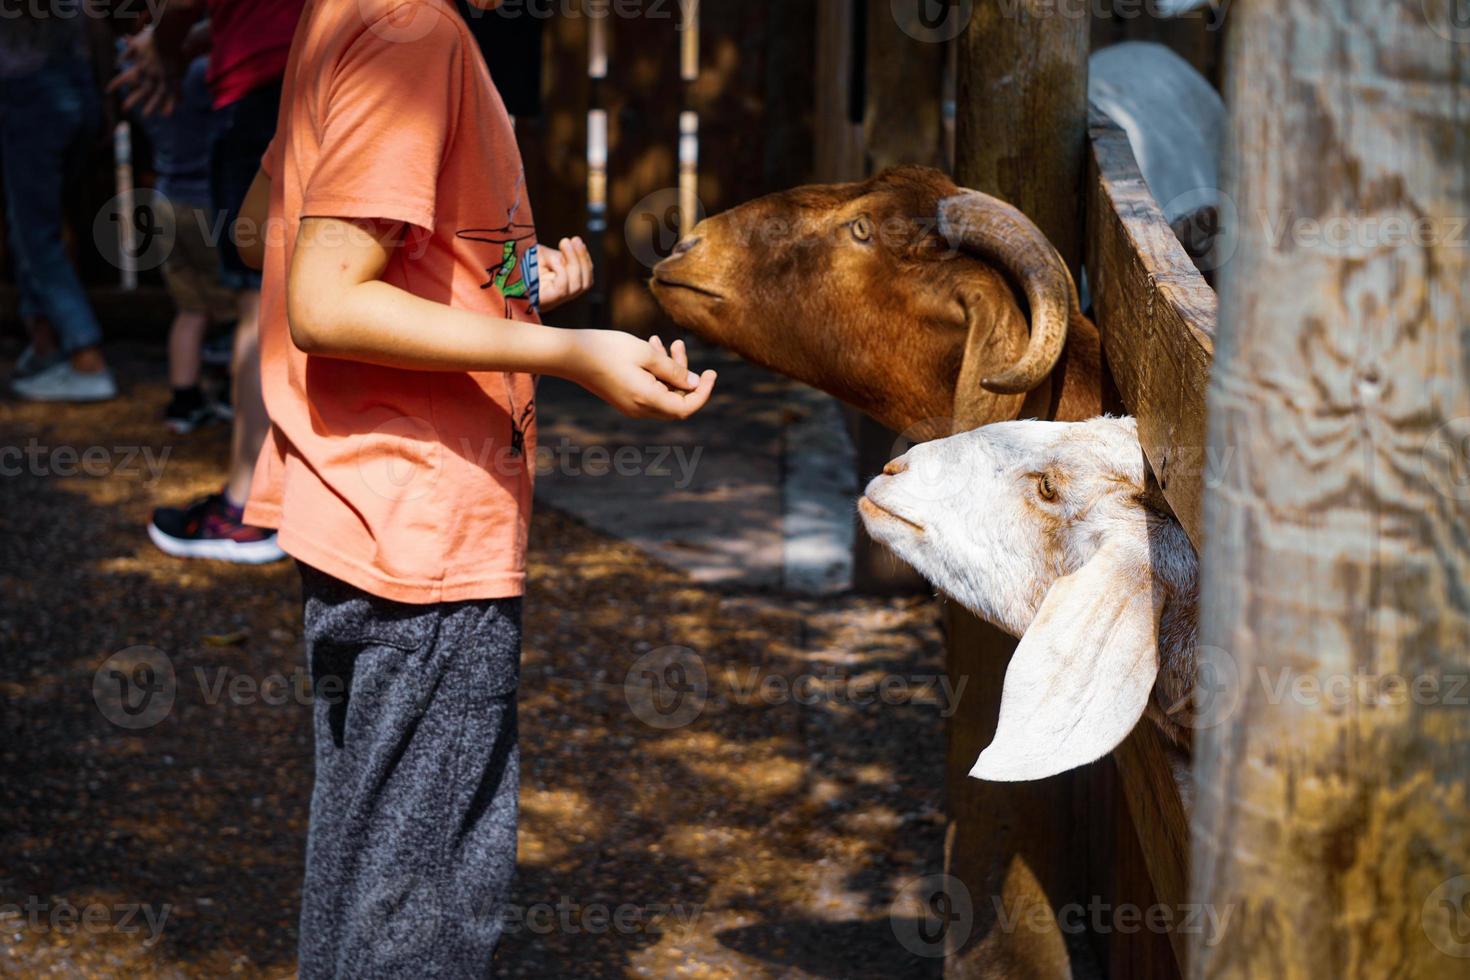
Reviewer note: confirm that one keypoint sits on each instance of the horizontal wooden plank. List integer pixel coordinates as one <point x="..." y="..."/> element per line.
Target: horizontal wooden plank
<point x="1156" y="785"/>
<point x="1156" y="315"/>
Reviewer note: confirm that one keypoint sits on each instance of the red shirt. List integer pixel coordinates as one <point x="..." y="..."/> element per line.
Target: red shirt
<point x="250" y="40"/>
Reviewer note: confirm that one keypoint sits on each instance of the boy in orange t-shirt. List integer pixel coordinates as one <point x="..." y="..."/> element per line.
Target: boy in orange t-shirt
<point x="399" y="337"/>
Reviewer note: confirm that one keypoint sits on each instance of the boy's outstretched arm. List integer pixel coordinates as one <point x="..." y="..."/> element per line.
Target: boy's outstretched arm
<point x="337" y="306"/>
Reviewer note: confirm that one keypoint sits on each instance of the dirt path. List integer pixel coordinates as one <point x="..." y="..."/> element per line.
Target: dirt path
<point x="764" y="834"/>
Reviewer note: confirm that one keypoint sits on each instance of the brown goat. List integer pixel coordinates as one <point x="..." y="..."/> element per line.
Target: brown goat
<point x="893" y="294"/>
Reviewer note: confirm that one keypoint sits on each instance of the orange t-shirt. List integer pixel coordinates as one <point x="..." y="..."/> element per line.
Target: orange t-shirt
<point x="410" y="485"/>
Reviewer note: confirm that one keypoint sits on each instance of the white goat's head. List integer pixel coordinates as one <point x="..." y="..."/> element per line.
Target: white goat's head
<point x="1053" y="532"/>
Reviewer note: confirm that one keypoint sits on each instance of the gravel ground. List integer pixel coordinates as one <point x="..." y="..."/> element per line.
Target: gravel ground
<point x="765" y="835"/>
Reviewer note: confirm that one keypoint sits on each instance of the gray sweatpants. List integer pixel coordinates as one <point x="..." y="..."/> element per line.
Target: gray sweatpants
<point x="412" y="843"/>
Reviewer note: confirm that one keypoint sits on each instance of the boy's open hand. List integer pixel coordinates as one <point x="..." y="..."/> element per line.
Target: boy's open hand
<point x="566" y="272"/>
<point x="638" y="377"/>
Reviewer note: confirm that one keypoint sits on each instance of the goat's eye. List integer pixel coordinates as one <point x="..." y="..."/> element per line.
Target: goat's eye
<point x="1045" y="488"/>
<point x="862" y="229"/>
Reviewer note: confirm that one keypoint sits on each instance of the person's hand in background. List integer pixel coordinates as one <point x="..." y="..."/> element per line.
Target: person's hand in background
<point x="148" y="80"/>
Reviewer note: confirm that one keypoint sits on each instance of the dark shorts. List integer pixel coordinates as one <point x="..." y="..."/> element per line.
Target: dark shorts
<point x="241" y="133"/>
<point x="412" y="843"/>
<point x="191" y="269"/>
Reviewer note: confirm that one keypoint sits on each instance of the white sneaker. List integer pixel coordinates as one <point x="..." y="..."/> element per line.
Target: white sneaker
<point x="29" y="362"/>
<point x="64" y="383"/>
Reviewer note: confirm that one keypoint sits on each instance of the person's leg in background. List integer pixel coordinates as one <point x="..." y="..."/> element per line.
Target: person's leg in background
<point x="43" y="348"/>
<point x="186" y="409"/>
<point x="185" y="338"/>
<point x="213" y="527"/>
<point x="251" y="421"/>
<point x="236" y="158"/>
<point x="191" y="272"/>
<point x="42" y="116"/>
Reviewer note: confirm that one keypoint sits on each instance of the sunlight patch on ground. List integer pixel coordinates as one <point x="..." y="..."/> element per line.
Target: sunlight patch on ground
<point x="552" y="822"/>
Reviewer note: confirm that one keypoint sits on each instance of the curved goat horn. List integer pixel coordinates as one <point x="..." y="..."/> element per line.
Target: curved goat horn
<point x="1000" y="233"/>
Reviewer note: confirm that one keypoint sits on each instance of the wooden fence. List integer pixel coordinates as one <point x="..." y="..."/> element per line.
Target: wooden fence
<point x="1117" y="831"/>
<point x="834" y="88"/>
<point x="884" y="94"/>
<point x="654" y="112"/>
<point x="1322" y="828"/>
<point x="1156" y="315"/>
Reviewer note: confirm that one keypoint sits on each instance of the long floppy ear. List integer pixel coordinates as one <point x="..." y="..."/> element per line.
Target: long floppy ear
<point x="1081" y="678"/>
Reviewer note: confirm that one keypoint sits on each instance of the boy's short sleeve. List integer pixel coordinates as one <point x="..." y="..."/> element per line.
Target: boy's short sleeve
<point x="388" y="118"/>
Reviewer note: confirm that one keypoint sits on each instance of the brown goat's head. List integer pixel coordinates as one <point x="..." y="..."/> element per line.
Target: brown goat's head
<point x="891" y="293"/>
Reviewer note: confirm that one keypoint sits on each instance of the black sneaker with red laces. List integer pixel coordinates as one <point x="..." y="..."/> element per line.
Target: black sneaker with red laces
<point x="212" y="527"/>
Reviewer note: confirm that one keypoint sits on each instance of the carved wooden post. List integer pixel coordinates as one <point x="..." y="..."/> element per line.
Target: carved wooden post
<point x="1021" y="112"/>
<point x="1021" y="125"/>
<point x="1333" y="817"/>
<point x="837" y="135"/>
<point x="905" y="68"/>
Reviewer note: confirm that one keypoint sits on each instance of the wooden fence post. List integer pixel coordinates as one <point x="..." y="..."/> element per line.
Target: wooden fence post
<point x="1021" y="130"/>
<point x="905" y="73"/>
<point x="1021" y="112"/>
<point x="1331" y="831"/>
<point x="838" y="138"/>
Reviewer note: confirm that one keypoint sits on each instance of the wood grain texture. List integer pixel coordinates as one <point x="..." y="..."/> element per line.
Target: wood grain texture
<point x="838" y="140"/>
<point x="1332" y="817"/>
<point x="1155" y="788"/>
<point x="1128" y="878"/>
<point x="1156" y="315"/>
<point x="643" y="96"/>
<point x="901" y="120"/>
<point x="1017" y="847"/>
<point x="1020" y="135"/>
<point x="1021" y="123"/>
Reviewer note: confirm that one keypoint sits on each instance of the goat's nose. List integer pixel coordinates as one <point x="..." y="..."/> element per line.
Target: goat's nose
<point x="895" y="467"/>
<point x="685" y="244"/>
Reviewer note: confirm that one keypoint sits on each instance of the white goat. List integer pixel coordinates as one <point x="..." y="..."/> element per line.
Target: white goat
<point x="1175" y="121"/>
<point x="1053" y="532"/>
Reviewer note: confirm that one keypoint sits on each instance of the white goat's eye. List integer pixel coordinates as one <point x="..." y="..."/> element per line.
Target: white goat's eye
<point x="862" y="229"/>
<point x="1045" y="488"/>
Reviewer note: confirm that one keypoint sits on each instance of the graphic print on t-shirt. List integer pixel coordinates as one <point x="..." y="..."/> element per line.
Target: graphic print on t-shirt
<point x="517" y="277"/>
<point x="515" y="274"/>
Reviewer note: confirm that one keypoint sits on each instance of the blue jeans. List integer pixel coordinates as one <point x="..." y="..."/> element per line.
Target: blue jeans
<point x="43" y="118"/>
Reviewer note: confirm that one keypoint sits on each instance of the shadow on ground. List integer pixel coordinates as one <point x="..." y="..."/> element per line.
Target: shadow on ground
<point x="766" y="835"/>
